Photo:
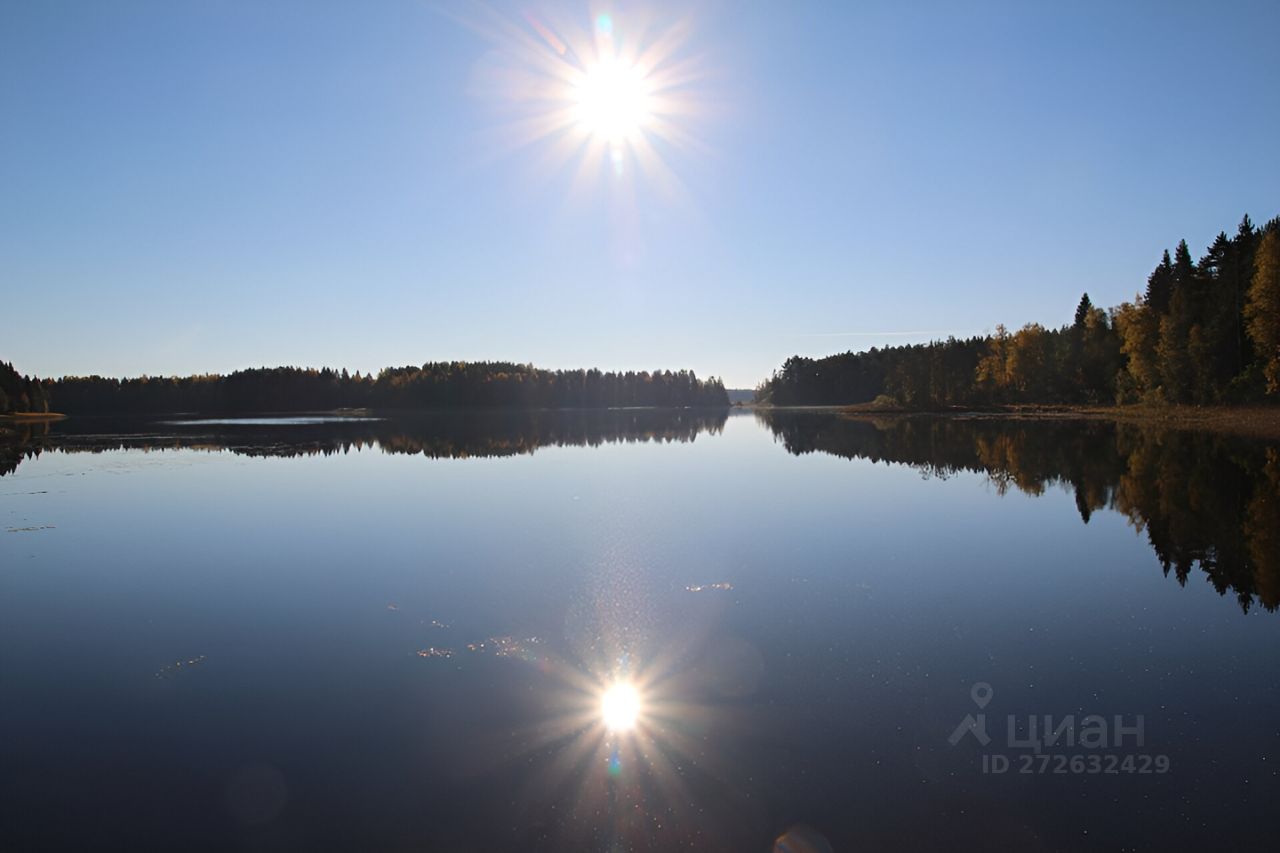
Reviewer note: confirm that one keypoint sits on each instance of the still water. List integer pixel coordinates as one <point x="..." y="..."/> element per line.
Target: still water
<point x="396" y="635"/>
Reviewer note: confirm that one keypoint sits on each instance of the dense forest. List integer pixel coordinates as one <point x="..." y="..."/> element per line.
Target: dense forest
<point x="1205" y="501"/>
<point x="20" y="393"/>
<point x="432" y="386"/>
<point x="1202" y="332"/>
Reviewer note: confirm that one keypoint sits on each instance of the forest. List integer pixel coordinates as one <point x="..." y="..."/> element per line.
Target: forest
<point x="20" y="393"/>
<point x="438" y="385"/>
<point x="1202" y="332"/>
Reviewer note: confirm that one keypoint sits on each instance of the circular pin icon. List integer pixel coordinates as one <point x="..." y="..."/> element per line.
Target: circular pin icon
<point x="981" y="693"/>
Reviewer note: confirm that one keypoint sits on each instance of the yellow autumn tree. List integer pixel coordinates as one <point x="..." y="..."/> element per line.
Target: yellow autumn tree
<point x="1262" y="311"/>
<point x="1139" y="330"/>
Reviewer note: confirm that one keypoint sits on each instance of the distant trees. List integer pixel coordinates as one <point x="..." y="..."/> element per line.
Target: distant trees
<point x="1202" y="332"/>
<point x="20" y="393"/>
<point x="431" y="386"/>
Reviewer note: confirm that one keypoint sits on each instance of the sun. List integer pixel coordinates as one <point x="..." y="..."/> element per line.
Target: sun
<point x="612" y="101"/>
<point x="600" y="97"/>
<point x="620" y="707"/>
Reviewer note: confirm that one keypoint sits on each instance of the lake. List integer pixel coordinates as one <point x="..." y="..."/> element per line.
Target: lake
<point x="395" y="634"/>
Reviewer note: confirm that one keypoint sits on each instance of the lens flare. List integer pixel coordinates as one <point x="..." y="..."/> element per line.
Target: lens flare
<point x="620" y="707"/>
<point x="609" y="99"/>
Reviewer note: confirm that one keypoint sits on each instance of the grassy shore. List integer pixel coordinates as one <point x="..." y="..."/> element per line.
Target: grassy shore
<point x="31" y="417"/>
<point x="1256" y="421"/>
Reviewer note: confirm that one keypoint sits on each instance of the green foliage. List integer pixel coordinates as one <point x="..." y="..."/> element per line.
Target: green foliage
<point x="432" y="386"/>
<point x="1160" y="285"/>
<point x="1082" y="312"/>
<point x="1183" y="341"/>
<point x="1171" y="350"/>
<point x="20" y="393"/>
<point x="934" y="374"/>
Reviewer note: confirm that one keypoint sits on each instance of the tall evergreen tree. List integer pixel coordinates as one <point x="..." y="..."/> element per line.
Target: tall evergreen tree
<point x="1160" y="285"/>
<point x="1172" y="354"/>
<point x="1082" y="312"/>
<point x="1263" y="308"/>
<point x="1184" y="269"/>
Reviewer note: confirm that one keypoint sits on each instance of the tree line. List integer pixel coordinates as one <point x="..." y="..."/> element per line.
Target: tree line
<point x="1201" y="332"/>
<point x="20" y="393"/>
<point x="436" y="385"/>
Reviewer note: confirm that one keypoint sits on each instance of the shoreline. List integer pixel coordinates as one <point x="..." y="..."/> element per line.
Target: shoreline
<point x="1258" y="421"/>
<point x="29" y="417"/>
<point x="1254" y="421"/>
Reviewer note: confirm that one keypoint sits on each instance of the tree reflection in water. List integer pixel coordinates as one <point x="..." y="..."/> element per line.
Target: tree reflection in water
<point x="1204" y="500"/>
<point x="448" y="435"/>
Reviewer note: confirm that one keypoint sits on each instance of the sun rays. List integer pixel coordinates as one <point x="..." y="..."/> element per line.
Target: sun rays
<point x="626" y="725"/>
<point x="611" y="97"/>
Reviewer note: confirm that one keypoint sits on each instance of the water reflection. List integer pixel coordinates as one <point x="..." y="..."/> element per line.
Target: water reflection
<point x="376" y="652"/>
<point x="1205" y="501"/>
<point x="437" y="435"/>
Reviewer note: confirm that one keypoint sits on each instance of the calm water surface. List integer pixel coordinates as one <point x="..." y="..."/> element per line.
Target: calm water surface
<point x="393" y="635"/>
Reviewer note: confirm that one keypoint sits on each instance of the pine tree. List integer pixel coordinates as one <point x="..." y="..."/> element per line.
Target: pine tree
<point x="1160" y="285"/>
<point x="1246" y="246"/>
<point x="1184" y="270"/>
<point x="1082" y="312"/>
<point x="1172" y="355"/>
<point x="1262" y="312"/>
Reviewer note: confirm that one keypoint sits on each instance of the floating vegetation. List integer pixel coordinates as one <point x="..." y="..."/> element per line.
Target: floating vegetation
<point x="170" y="670"/>
<point x="723" y="586"/>
<point x="25" y="529"/>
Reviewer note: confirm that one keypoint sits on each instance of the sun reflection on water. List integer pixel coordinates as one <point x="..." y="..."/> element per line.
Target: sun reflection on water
<point x="620" y="707"/>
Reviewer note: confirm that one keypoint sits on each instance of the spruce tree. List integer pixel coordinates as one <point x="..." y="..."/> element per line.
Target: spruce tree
<point x="1082" y="312"/>
<point x="1160" y="285"/>
<point x="1262" y="312"/>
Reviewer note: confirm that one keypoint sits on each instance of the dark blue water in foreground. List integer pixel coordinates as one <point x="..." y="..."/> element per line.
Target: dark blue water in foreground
<point x="394" y="635"/>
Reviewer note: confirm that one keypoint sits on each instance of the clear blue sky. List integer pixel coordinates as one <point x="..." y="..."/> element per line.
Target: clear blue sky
<point x="204" y="186"/>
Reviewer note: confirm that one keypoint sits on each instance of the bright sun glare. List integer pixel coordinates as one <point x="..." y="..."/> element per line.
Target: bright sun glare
<point x="623" y="93"/>
<point x="611" y="101"/>
<point x="620" y="707"/>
